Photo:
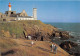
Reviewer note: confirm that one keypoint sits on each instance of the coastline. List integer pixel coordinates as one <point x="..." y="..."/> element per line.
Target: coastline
<point x="20" y="29"/>
<point x="72" y="31"/>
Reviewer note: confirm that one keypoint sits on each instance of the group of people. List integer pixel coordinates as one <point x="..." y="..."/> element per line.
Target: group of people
<point x="28" y="37"/>
<point x="54" y="48"/>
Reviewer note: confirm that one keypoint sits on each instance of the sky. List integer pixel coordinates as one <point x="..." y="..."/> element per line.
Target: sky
<point x="47" y="10"/>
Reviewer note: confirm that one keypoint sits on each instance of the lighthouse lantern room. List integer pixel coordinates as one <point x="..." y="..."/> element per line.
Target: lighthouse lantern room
<point x="9" y="6"/>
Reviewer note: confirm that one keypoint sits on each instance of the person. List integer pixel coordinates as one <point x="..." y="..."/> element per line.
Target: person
<point x="32" y="43"/>
<point x="29" y="37"/>
<point x="52" y="47"/>
<point x="41" y="38"/>
<point x="35" y="37"/>
<point x="26" y="37"/>
<point x="55" y="50"/>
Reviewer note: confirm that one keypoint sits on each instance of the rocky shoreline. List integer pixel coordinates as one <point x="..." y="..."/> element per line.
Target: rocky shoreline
<point x="61" y="38"/>
<point x="71" y="47"/>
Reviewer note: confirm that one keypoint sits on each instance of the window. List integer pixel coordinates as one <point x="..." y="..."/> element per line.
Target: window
<point x="11" y="12"/>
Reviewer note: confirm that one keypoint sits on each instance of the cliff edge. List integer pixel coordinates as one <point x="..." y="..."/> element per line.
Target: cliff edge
<point x="35" y="28"/>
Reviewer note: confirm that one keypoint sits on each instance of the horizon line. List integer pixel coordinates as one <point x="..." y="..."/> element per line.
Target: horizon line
<point x="41" y="0"/>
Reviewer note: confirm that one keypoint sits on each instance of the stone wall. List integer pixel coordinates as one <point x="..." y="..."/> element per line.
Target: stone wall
<point x="23" y="13"/>
<point x="11" y="13"/>
<point x="0" y="15"/>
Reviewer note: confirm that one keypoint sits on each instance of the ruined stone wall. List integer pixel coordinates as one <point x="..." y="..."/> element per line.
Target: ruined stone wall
<point x="11" y="13"/>
<point x="10" y="18"/>
<point x="0" y="15"/>
<point x="3" y="16"/>
<point x="23" y="13"/>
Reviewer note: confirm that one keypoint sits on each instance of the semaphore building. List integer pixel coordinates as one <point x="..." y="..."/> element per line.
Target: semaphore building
<point x="12" y="15"/>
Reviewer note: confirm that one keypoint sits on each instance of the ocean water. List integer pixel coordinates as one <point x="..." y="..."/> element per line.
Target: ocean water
<point x="72" y="28"/>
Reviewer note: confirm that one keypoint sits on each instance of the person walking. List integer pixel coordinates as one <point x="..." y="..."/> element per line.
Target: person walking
<point x="52" y="47"/>
<point x="55" y="49"/>
<point x="32" y="43"/>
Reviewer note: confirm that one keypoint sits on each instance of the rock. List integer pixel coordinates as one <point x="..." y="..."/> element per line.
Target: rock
<point x="63" y="35"/>
<point x="71" y="47"/>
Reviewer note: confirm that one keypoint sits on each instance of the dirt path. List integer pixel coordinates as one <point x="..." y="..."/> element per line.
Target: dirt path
<point x="39" y="48"/>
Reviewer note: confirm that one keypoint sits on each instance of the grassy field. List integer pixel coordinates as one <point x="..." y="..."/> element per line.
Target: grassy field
<point x="16" y="28"/>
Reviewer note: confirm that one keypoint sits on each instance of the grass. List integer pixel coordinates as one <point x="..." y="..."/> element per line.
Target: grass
<point x="6" y="44"/>
<point x="40" y="48"/>
<point x="17" y="27"/>
<point x="22" y="47"/>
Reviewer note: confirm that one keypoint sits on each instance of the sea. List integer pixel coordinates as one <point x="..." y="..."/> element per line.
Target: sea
<point x="72" y="28"/>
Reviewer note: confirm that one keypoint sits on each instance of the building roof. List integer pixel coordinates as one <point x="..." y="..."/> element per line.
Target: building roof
<point x="34" y="8"/>
<point x="25" y="17"/>
<point x="10" y="11"/>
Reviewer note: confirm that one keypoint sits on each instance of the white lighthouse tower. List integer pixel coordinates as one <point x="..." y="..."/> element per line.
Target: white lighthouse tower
<point x="9" y="6"/>
<point x="35" y="13"/>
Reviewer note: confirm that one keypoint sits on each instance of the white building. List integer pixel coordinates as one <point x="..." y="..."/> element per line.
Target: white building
<point x="25" y="18"/>
<point x="34" y="17"/>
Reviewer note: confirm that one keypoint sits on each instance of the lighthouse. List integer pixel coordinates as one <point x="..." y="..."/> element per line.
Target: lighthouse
<point x="35" y="13"/>
<point x="9" y="6"/>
